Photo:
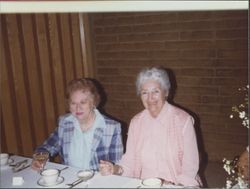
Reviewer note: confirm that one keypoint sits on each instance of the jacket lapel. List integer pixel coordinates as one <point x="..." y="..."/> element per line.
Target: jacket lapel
<point x="96" y="139"/>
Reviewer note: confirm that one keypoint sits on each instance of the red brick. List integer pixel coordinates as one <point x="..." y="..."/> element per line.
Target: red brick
<point x="164" y="17"/>
<point x="106" y="39"/>
<point x="230" y="14"/>
<point x="237" y="23"/>
<point x="125" y="21"/>
<point x="232" y="34"/>
<point x="155" y="28"/>
<point x="191" y="98"/>
<point x="110" y="71"/>
<point x="197" y="72"/>
<point x="124" y="63"/>
<point x="229" y="81"/>
<point x="114" y="47"/>
<point x="197" y="90"/>
<point x="233" y="54"/>
<point x="195" y="25"/>
<point x="233" y="72"/>
<point x="229" y="90"/>
<point x="169" y="36"/>
<point x="207" y="52"/>
<point x="193" y="80"/>
<point x="194" y="35"/>
<point x="199" y="15"/>
<point x="123" y="55"/>
<point x="232" y="62"/>
<point x="210" y="53"/>
<point x="133" y="37"/>
<point x="106" y="21"/>
<point x="202" y="44"/>
<point x="239" y="44"/>
<point x="182" y="62"/>
<point x="164" y="54"/>
<point x="98" y="30"/>
<point x="144" y="19"/>
<point x="149" y="45"/>
<point x="130" y="46"/>
<point x="116" y="30"/>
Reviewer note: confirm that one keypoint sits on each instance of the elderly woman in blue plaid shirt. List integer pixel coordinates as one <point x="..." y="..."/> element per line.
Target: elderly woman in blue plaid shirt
<point x="84" y="136"/>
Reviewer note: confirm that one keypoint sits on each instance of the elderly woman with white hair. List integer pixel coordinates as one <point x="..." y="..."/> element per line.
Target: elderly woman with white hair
<point x="161" y="138"/>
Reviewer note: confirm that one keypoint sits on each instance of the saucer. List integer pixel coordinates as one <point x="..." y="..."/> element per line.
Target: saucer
<point x="85" y="174"/>
<point x="8" y="163"/>
<point x="172" y="186"/>
<point x="42" y="183"/>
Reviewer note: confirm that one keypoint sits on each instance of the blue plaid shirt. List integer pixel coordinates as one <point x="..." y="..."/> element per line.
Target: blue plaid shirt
<point x="106" y="145"/>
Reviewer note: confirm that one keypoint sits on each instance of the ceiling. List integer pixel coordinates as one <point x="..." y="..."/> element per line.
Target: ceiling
<point x="88" y="6"/>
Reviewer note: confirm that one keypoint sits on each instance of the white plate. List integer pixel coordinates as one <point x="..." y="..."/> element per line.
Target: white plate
<point x="8" y="163"/>
<point x="172" y="186"/>
<point x="42" y="183"/>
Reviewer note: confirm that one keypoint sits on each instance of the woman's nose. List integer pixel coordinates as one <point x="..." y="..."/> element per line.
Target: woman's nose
<point x="150" y="96"/>
<point x="78" y="107"/>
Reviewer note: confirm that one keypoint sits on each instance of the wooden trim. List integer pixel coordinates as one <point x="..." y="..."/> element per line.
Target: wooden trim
<point x="88" y="66"/>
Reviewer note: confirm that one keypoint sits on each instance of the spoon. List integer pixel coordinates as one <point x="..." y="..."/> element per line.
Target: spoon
<point x="60" y="170"/>
<point x="83" y="177"/>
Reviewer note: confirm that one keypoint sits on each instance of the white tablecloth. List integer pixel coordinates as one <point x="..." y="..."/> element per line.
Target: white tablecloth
<point x="31" y="178"/>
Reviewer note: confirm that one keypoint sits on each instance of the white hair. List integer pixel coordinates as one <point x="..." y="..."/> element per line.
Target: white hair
<point x="157" y="74"/>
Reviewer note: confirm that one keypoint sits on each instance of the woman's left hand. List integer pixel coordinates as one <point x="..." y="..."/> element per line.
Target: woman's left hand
<point x="168" y="182"/>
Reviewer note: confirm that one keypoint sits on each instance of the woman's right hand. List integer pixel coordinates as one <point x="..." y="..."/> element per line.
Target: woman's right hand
<point x="36" y="165"/>
<point x="106" y="168"/>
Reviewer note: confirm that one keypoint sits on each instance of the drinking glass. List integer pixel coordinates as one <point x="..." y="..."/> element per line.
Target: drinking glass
<point x="42" y="158"/>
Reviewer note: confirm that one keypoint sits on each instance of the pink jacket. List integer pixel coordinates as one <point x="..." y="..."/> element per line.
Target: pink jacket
<point x="163" y="147"/>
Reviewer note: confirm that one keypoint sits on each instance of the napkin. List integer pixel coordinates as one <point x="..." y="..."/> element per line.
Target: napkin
<point x="17" y="181"/>
<point x="20" y="165"/>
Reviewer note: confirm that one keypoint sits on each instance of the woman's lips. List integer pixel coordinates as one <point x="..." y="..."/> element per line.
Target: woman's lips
<point x="79" y="113"/>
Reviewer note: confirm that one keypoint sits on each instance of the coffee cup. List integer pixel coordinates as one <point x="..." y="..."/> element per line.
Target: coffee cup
<point x="151" y="183"/>
<point x="4" y="157"/>
<point x="50" y="176"/>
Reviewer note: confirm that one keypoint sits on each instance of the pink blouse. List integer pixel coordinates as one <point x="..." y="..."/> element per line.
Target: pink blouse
<point x="163" y="147"/>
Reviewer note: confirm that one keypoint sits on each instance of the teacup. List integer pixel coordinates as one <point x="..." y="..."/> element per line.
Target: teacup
<point x="151" y="183"/>
<point x="4" y="157"/>
<point x="50" y="176"/>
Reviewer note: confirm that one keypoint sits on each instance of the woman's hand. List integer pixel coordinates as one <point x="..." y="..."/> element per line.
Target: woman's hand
<point x="36" y="165"/>
<point x="166" y="182"/>
<point x="106" y="168"/>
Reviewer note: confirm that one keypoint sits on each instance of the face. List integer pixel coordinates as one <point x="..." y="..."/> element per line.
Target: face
<point x="152" y="96"/>
<point x="81" y="105"/>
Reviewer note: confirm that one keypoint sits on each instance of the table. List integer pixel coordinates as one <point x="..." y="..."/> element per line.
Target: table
<point x="31" y="177"/>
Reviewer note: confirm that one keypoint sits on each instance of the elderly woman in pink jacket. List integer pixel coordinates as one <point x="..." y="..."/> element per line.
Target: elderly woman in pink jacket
<point x="161" y="138"/>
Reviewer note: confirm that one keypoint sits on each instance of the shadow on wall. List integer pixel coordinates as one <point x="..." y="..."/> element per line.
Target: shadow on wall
<point x="103" y="100"/>
<point x="202" y="153"/>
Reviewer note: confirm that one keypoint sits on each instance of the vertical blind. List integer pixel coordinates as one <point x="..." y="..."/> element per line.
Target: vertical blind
<point x="40" y="53"/>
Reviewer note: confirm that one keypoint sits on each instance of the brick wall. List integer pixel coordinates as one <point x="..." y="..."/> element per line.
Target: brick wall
<point x="206" y="53"/>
